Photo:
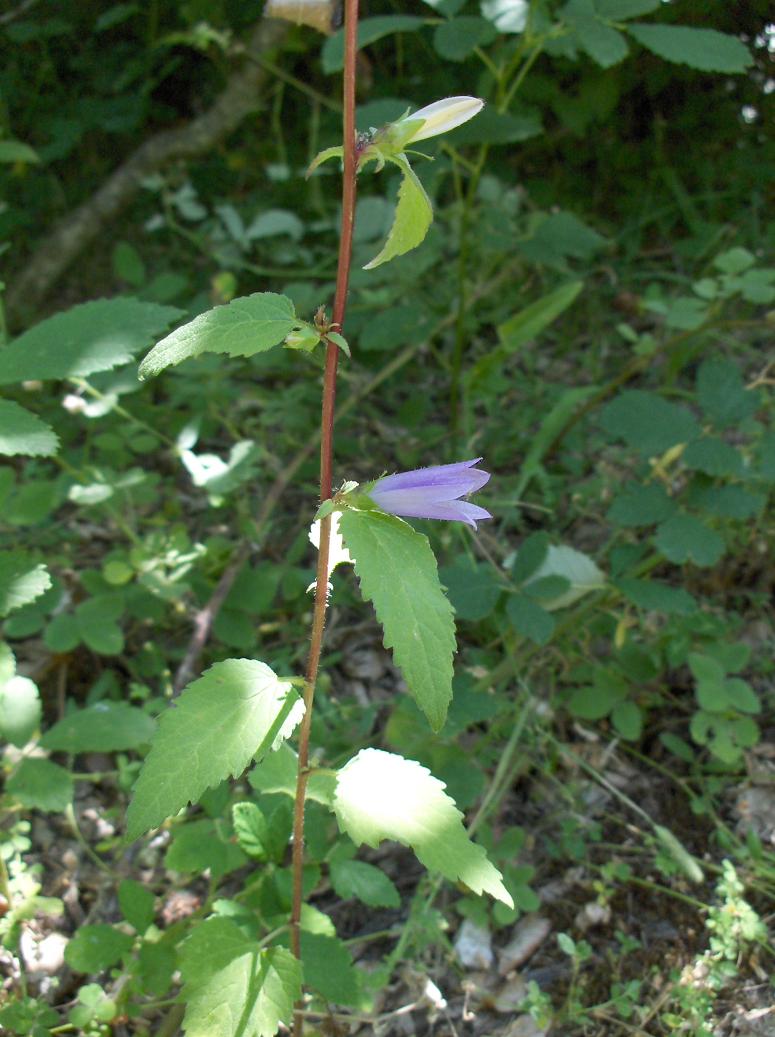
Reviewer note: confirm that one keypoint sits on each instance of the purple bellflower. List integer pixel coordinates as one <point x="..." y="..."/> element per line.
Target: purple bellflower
<point x="433" y="493"/>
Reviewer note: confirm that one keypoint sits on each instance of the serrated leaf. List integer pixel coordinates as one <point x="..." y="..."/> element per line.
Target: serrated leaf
<point x="365" y="882"/>
<point x="95" y="336"/>
<point x="96" y="947"/>
<point x="20" y="710"/>
<point x="41" y="785"/>
<point x="102" y="727"/>
<point x="383" y="796"/>
<point x="245" y="326"/>
<point x="684" y="538"/>
<point x="233" y="989"/>
<point x="703" y="49"/>
<point x="22" y="432"/>
<point x="220" y="722"/>
<point x="397" y="572"/>
<point x="578" y="569"/>
<point x="648" y="423"/>
<point x="22" y="580"/>
<point x="414" y="215"/>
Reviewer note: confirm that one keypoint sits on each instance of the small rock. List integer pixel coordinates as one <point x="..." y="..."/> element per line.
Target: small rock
<point x="44" y="957"/>
<point x="527" y="936"/>
<point x="511" y="995"/>
<point x="525" y="1026"/>
<point x="473" y="946"/>
<point x="592" y="915"/>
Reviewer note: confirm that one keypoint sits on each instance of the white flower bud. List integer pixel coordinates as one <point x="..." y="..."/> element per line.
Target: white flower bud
<point x="442" y="116"/>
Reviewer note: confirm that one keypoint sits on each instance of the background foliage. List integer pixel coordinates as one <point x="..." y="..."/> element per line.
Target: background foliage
<point x="591" y="312"/>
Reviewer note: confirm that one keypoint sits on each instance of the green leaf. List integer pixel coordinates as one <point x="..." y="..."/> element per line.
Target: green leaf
<point x="383" y="796"/>
<point x="96" y="622"/>
<point x="97" y="947"/>
<point x="529" y="619"/>
<point x="742" y="696"/>
<point x="679" y="853"/>
<point x="526" y="325"/>
<point x="414" y="215"/>
<point x="713" y="456"/>
<point x="22" y="580"/>
<point x="328" y="968"/>
<point x="456" y="38"/>
<point x="277" y="773"/>
<point x="558" y="236"/>
<point x="522" y="328"/>
<point x="551" y="426"/>
<point x="703" y="49"/>
<point x="578" y="569"/>
<point x="220" y="722"/>
<point x="19" y="710"/>
<point x="95" y="336"/>
<point x="365" y="882"/>
<point x="727" y="501"/>
<point x="657" y="597"/>
<point x="12" y="151"/>
<point x="128" y="264"/>
<point x="397" y="572"/>
<point x="604" y="44"/>
<point x="41" y="785"/>
<point x="369" y="31"/>
<point x="627" y="719"/>
<point x="621" y="10"/>
<point x="531" y="554"/>
<point x="494" y="127"/>
<point x="251" y="829"/>
<point x="137" y="904"/>
<point x="233" y="989"/>
<point x="640" y="505"/>
<point x="245" y="326"/>
<point x="104" y="727"/>
<point x="722" y="393"/>
<point x="648" y="423"/>
<point x="201" y="845"/>
<point x="472" y="588"/>
<point x="22" y="432"/>
<point x="683" y="538"/>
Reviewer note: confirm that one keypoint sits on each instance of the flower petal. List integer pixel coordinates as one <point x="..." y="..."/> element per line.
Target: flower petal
<point x="461" y="472"/>
<point x="449" y="511"/>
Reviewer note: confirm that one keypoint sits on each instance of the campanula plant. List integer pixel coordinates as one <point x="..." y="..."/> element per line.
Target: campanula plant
<point x="241" y="711"/>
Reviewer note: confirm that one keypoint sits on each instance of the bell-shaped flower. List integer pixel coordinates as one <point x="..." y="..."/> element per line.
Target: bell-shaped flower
<point x="441" y="116"/>
<point x="432" y="493"/>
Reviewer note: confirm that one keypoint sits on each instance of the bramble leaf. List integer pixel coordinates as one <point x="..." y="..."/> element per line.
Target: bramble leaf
<point x="397" y="572"/>
<point x="383" y="796"/>
<point x="703" y="49"/>
<point x="236" y="711"/>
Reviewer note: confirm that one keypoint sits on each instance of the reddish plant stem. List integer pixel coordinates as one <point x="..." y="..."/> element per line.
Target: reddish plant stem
<point x="326" y="473"/>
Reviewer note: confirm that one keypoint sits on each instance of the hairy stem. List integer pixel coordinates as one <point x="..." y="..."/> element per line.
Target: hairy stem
<point x="326" y="477"/>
